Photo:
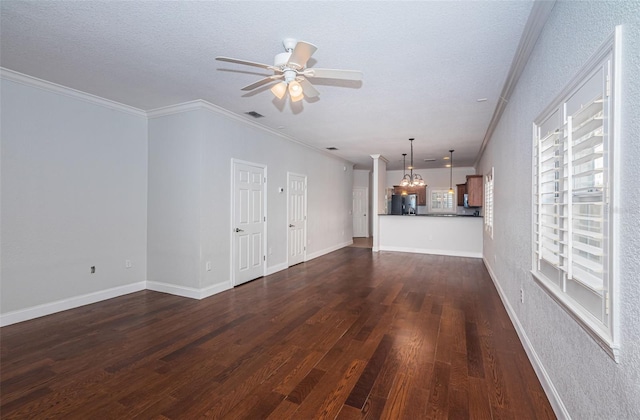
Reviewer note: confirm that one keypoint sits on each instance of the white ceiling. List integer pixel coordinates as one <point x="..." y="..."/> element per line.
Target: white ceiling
<point x="425" y="64"/>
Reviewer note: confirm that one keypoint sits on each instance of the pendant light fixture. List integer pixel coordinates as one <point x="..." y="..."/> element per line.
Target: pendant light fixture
<point x="451" y="172"/>
<point x="411" y="179"/>
<point x="406" y="179"/>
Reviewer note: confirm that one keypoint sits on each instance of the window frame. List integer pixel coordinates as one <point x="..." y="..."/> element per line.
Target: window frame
<point x="444" y="192"/>
<point x="489" y="202"/>
<point x="606" y="334"/>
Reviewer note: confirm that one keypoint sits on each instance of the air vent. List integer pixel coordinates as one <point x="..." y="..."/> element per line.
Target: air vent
<point x="430" y="160"/>
<point x="254" y="114"/>
<point x="332" y="148"/>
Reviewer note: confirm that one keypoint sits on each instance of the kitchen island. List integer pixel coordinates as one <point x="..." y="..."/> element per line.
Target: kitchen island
<point x="440" y="234"/>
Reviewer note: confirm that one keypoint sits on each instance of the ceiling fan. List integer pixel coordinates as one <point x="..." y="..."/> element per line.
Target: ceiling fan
<point x="290" y="68"/>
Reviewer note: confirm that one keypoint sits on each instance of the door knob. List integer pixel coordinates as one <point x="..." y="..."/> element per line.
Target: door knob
<point x="239" y="230"/>
<point x="290" y="225"/>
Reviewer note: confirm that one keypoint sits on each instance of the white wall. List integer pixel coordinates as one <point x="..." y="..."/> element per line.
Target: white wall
<point x="173" y="239"/>
<point x="587" y="381"/>
<point x="361" y="178"/>
<point x="74" y="195"/>
<point x="190" y="157"/>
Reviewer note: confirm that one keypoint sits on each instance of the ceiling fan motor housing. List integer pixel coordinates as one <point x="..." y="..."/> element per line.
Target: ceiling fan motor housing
<point x="281" y="59"/>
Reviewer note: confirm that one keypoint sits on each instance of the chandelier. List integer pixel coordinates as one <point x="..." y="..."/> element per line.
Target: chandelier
<point x="412" y="180"/>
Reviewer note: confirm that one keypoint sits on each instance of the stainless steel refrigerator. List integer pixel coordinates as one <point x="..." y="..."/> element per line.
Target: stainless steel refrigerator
<point x="410" y="204"/>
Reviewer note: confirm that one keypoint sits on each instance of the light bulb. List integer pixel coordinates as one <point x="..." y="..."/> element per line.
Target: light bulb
<point x="279" y="89"/>
<point x="295" y="90"/>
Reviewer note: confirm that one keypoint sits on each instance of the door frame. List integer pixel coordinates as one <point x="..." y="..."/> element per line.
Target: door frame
<point x="289" y="174"/>
<point x="234" y="161"/>
<point x="366" y="205"/>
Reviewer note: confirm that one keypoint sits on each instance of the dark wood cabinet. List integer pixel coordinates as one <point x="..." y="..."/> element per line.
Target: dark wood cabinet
<point x="462" y="190"/>
<point x="474" y="190"/>
<point x="420" y="191"/>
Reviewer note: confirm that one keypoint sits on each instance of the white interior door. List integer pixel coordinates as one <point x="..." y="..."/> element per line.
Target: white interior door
<point x="248" y="222"/>
<point x="360" y="213"/>
<point x="296" y="218"/>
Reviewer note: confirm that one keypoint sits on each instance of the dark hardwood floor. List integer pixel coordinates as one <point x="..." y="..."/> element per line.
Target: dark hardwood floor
<point x="348" y="335"/>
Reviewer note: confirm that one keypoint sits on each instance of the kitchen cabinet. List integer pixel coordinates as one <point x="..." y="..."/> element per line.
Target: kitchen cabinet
<point x="420" y="191"/>
<point x="462" y="190"/>
<point x="474" y="190"/>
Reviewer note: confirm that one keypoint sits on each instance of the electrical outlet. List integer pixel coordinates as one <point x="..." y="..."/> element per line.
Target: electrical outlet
<point x="127" y="264"/>
<point x="93" y="269"/>
<point x="208" y="265"/>
<point x="521" y="295"/>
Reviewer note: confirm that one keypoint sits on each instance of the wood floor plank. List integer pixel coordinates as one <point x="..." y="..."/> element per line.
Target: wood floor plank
<point x="361" y="390"/>
<point x="351" y="334"/>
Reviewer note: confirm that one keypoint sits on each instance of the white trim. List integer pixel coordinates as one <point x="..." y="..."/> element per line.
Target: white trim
<point x="69" y="303"/>
<point x="215" y="289"/>
<point x="327" y="250"/>
<point x="173" y="289"/>
<point x="446" y="252"/>
<point x="188" y="292"/>
<point x="538" y="16"/>
<point x="588" y="322"/>
<point x="275" y="268"/>
<point x="34" y="82"/>
<point x="616" y="190"/>
<point x="200" y="104"/>
<point x="545" y="380"/>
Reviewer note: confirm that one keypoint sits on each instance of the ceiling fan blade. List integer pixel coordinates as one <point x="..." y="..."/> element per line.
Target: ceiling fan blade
<point x="301" y="54"/>
<point x="307" y="88"/>
<point x="334" y="74"/>
<point x="247" y="63"/>
<point x="263" y="81"/>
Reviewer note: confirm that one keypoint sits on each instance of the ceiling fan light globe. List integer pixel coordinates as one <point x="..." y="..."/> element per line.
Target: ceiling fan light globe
<point x="295" y="90"/>
<point x="279" y="90"/>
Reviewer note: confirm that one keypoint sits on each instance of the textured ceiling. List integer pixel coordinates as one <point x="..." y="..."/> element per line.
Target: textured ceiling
<point x="425" y="64"/>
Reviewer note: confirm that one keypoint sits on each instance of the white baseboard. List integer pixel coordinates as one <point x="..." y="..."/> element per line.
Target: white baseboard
<point x="70" y="303"/>
<point x="275" y="268"/>
<point x="327" y="250"/>
<point x="189" y="292"/>
<point x="172" y="289"/>
<point x="215" y="289"/>
<point x="552" y="393"/>
<point x="446" y="252"/>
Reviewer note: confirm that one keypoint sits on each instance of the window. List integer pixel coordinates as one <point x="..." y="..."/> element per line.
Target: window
<point x="488" y="202"/>
<point x="573" y="161"/>
<point x="442" y="202"/>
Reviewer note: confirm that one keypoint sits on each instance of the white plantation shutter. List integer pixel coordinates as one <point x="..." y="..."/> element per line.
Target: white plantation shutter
<point x="572" y="165"/>
<point x="488" y="202"/>
<point x="442" y="202"/>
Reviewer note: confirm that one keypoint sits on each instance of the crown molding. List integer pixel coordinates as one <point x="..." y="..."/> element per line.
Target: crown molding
<point x="31" y="81"/>
<point x="537" y="19"/>
<point x="200" y="104"/>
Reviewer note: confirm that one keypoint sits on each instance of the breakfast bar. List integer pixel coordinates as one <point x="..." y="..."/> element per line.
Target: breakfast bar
<point x="440" y="234"/>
